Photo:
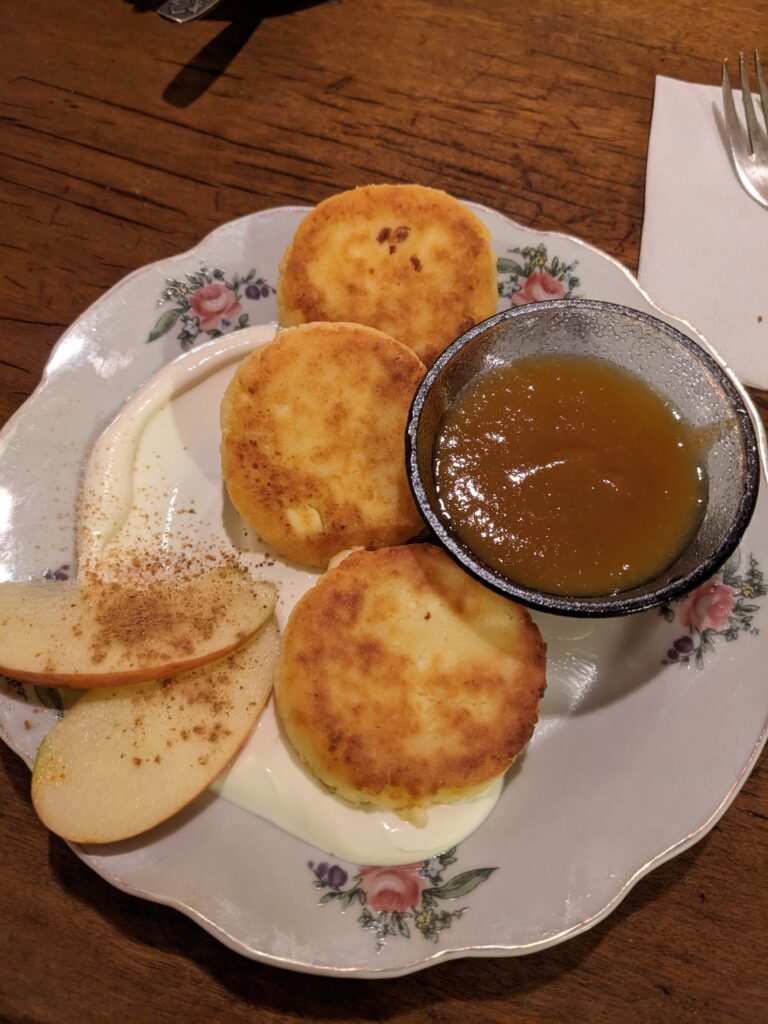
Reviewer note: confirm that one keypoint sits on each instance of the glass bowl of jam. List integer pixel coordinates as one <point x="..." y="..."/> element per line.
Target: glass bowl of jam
<point x="582" y="457"/>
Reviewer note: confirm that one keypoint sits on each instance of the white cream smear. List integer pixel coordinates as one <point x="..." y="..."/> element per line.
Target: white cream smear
<point x="153" y="483"/>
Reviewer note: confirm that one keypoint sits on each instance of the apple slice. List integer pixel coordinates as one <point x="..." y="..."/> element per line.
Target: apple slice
<point x="97" y="633"/>
<point x="121" y="761"/>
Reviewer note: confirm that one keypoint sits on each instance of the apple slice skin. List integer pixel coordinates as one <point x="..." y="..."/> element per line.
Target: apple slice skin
<point x="123" y="760"/>
<point x="92" y="634"/>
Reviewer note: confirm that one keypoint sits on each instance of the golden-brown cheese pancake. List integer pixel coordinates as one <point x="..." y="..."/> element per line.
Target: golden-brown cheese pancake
<point x="403" y="682"/>
<point x="410" y="260"/>
<point x="313" y="449"/>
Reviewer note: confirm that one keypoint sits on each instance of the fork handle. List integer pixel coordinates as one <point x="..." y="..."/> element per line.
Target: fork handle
<point x="186" y="10"/>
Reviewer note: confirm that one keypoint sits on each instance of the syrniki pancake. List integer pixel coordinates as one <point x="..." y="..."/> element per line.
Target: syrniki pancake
<point x="313" y="450"/>
<point x="409" y="260"/>
<point x="404" y="682"/>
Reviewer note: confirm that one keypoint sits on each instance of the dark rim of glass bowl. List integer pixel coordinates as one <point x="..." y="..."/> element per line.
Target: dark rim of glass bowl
<point x="600" y="606"/>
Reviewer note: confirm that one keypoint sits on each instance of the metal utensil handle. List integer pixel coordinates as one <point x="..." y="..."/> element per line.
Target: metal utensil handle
<point x="186" y="10"/>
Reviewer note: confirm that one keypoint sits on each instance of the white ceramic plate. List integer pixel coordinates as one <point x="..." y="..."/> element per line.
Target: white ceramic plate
<point x="648" y="729"/>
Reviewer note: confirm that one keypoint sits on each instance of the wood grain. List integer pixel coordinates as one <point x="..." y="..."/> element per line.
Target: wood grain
<point x="126" y="139"/>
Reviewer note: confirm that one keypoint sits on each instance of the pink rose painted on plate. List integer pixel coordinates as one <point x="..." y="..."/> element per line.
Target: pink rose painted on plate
<point x="208" y="304"/>
<point x="393" y="900"/>
<point x="723" y="608"/>
<point x="213" y="303"/>
<point x="529" y="274"/>
<point x="537" y="287"/>
<point x="393" y="889"/>
<point x="708" y="606"/>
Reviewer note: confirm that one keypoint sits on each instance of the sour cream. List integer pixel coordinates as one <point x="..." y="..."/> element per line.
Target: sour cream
<point x="268" y="780"/>
<point x="153" y="484"/>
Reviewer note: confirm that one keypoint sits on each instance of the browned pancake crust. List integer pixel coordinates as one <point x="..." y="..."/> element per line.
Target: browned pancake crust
<point x="410" y="260"/>
<point x="402" y="681"/>
<point x="313" y="450"/>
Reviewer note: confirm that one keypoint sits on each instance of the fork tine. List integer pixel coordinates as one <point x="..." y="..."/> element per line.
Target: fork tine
<point x="762" y="87"/>
<point x="751" y="166"/>
<point x="755" y="133"/>
<point x="732" y="123"/>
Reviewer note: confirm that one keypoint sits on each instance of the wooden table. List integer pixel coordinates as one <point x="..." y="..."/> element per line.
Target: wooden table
<point x="127" y="138"/>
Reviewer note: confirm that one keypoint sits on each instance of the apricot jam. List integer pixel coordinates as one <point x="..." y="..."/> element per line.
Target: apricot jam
<point x="568" y="475"/>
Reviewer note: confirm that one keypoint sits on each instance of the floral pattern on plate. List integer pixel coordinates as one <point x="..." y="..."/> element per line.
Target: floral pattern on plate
<point x="534" y="277"/>
<point x="207" y="303"/>
<point x="37" y="696"/>
<point x="722" y="608"/>
<point x="394" y="897"/>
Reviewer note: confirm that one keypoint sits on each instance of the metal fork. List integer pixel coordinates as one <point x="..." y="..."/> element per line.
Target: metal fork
<point x="749" y="148"/>
<point x="186" y="10"/>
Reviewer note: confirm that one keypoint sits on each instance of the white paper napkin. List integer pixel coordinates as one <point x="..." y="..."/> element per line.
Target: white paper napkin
<point x="704" y="252"/>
